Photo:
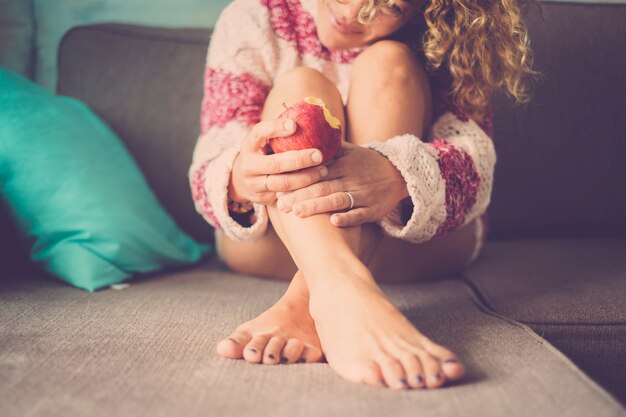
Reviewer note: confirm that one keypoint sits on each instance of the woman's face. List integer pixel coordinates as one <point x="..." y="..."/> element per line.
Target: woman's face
<point x="338" y="28"/>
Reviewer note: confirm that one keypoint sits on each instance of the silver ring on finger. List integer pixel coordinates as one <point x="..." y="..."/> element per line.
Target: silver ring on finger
<point x="351" y="200"/>
<point x="265" y="182"/>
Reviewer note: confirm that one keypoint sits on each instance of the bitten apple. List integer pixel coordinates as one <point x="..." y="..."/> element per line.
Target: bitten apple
<point x="316" y="127"/>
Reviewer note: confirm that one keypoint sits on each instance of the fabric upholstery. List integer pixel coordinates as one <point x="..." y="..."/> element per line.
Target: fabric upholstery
<point x="149" y="350"/>
<point x="150" y="94"/>
<point x="572" y="292"/>
<point x="561" y="158"/>
<point x="54" y="18"/>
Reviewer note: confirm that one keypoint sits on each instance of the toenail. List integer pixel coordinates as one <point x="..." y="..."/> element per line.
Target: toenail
<point x="420" y="379"/>
<point x="403" y="382"/>
<point x="233" y="340"/>
<point x="253" y="350"/>
<point x="437" y="377"/>
<point x="450" y="361"/>
<point x="271" y="356"/>
<point x="301" y="360"/>
<point x="283" y="359"/>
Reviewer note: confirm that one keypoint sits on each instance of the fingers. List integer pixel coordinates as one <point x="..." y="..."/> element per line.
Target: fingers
<point x="333" y="202"/>
<point x="283" y="162"/>
<point x="294" y="180"/>
<point x="267" y="129"/>
<point x="351" y="218"/>
<point x="319" y="189"/>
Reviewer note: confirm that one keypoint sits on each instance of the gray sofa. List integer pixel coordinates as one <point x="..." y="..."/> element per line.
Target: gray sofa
<point x="539" y="318"/>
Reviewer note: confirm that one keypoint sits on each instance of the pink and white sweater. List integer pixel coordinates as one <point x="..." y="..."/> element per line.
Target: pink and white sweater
<point x="449" y="175"/>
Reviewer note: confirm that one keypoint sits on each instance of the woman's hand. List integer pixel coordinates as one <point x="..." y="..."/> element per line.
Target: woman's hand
<point x="257" y="177"/>
<point x="375" y="184"/>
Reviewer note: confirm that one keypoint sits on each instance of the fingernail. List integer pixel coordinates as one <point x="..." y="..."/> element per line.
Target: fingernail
<point x="280" y="204"/>
<point x="323" y="171"/>
<point x="316" y="157"/>
<point x="288" y="125"/>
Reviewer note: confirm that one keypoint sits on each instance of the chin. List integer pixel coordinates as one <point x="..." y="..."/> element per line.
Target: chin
<point x="331" y="41"/>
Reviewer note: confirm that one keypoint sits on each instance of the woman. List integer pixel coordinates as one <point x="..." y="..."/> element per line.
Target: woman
<point x="404" y="201"/>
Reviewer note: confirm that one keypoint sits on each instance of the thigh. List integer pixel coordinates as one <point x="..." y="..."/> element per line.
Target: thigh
<point x="266" y="257"/>
<point x="397" y="261"/>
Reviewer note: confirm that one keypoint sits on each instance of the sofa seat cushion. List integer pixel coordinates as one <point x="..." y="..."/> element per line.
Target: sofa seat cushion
<point x="572" y="292"/>
<point x="554" y="281"/>
<point x="149" y="350"/>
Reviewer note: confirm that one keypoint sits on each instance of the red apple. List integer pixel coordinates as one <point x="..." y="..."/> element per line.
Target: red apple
<point x="316" y="127"/>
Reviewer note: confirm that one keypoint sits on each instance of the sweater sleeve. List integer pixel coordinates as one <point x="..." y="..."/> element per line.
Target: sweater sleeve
<point x="236" y="85"/>
<point x="449" y="178"/>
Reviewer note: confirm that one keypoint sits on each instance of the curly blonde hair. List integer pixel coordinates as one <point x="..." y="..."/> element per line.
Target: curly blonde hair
<point x="483" y="45"/>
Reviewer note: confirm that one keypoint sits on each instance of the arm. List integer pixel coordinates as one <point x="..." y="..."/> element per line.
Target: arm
<point x="449" y="179"/>
<point x="236" y="85"/>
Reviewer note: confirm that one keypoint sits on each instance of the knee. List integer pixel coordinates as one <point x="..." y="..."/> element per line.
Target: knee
<point x="300" y="77"/>
<point x="388" y="62"/>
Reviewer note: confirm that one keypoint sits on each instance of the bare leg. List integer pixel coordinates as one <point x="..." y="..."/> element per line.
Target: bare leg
<point x="285" y="332"/>
<point x="373" y="342"/>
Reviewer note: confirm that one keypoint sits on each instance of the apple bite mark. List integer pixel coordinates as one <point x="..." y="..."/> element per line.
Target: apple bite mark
<point x="316" y="128"/>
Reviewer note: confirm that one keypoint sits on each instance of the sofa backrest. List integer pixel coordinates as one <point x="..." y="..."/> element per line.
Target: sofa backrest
<point x="561" y="169"/>
<point x="561" y="158"/>
<point x="147" y="84"/>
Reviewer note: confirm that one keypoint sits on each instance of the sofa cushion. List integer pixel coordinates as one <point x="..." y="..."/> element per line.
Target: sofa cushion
<point x="147" y="84"/>
<point x="54" y="18"/>
<point x="78" y="198"/>
<point x="561" y="158"/>
<point x="149" y="350"/>
<point x="570" y="291"/>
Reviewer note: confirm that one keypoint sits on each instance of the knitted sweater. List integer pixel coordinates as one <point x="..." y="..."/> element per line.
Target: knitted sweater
<point x="449" y="174"/>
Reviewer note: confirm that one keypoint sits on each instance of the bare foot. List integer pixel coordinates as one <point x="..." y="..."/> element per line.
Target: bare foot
<point x="366" y="339"/>
<point x="285" y="333"/>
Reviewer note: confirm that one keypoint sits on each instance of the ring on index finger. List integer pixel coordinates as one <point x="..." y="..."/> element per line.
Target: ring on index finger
<point x="265" y="182"/>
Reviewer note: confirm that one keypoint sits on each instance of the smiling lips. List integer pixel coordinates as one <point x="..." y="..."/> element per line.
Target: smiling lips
<point x="338" y="26"/>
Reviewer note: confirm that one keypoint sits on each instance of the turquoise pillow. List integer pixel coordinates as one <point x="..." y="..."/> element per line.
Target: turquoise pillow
<point x="78" y="197"/>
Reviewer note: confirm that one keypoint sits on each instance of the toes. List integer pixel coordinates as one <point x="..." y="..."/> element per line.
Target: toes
<point x="452" y="367"/>
<point x="292" y="351"/>
<point x="413" y="370"/>
<point x="432" y="369"/>
<point x="393" y="373"/>
<point x="271" y="354"/>
<point x="372" y="375"/>
<point x="232" y="347"/>
<point x="253" y="351"/>
<point x="310" y="354"/>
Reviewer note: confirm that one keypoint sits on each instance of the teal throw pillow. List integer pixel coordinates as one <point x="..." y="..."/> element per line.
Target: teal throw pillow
<point x="77" y="195"/>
